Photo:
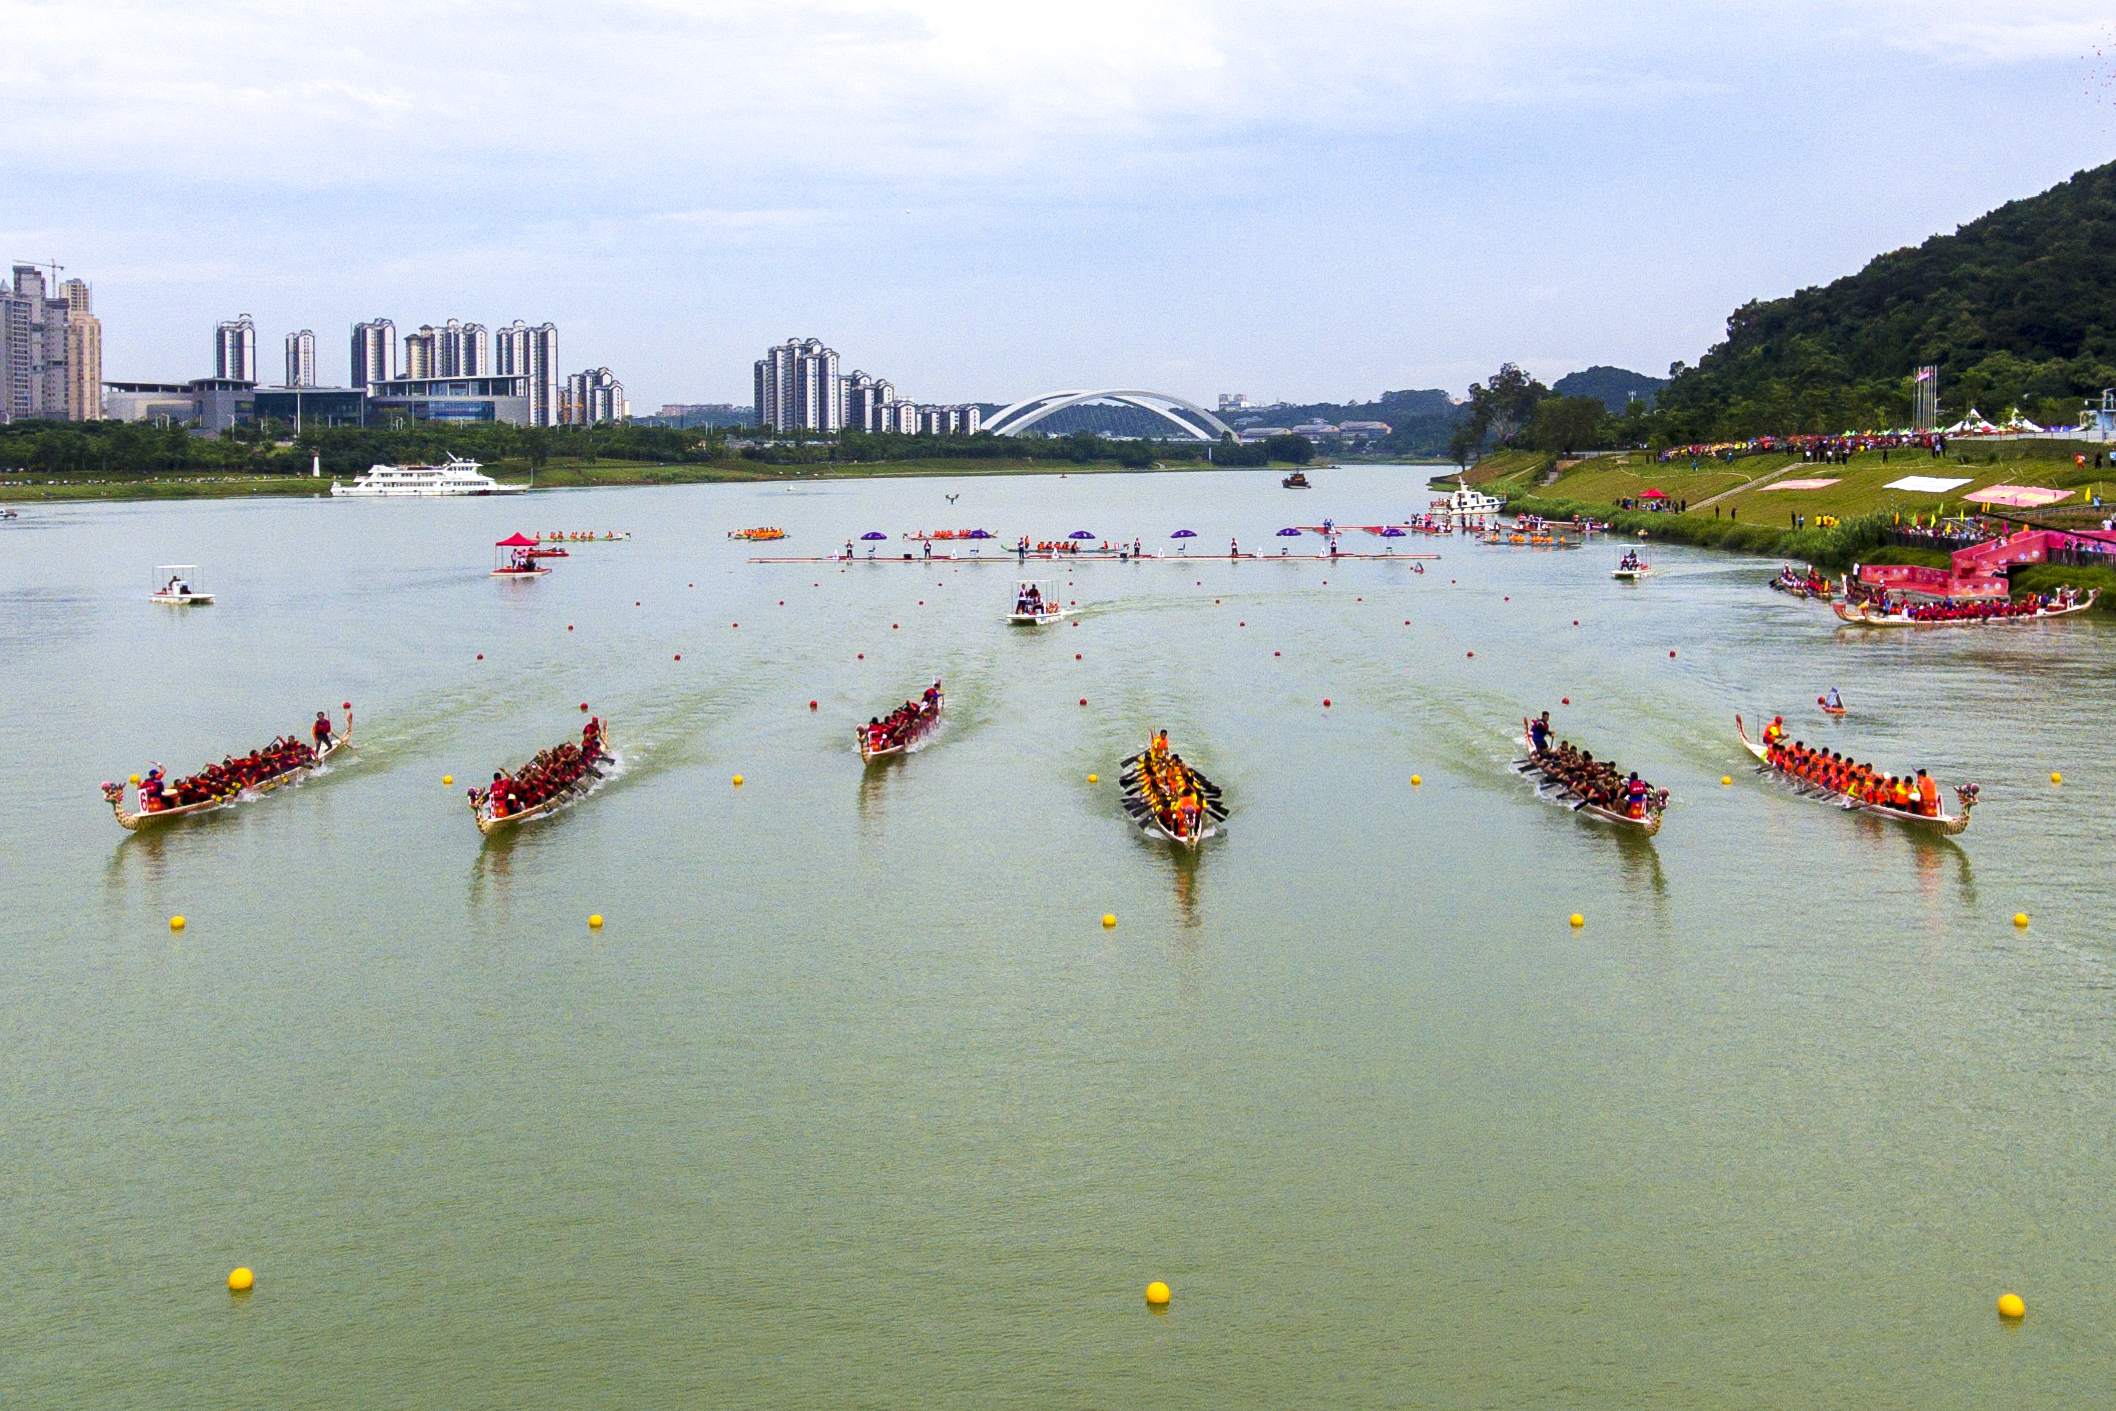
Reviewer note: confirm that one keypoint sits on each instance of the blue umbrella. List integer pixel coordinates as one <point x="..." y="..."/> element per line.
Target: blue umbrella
<point x="1289" y="533"/>
<point x="1184" y="534"/>
<point x="1079" y="534"/>
<point x="874" y="534"/>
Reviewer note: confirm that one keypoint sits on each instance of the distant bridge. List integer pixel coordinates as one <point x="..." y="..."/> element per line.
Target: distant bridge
<point x="1185" y="416"/>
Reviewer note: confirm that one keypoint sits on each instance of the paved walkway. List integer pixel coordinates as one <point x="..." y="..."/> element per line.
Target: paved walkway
<point x="1752" y="484"/>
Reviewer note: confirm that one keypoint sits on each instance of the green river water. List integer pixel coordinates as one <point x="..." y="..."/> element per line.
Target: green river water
<point x="854" y="1101"/>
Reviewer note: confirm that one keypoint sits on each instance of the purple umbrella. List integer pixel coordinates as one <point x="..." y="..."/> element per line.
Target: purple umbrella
<point x="1184" y="534"/>
<point x="1289" y="533"/>
<point x="874" y="534"/>
<point x="979" y="534"/>
<point x="1392" y="532"/>
<point x="1079" y="534"/>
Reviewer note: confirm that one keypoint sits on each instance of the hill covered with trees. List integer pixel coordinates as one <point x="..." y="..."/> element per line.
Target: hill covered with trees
<point x="2016" y="308"/>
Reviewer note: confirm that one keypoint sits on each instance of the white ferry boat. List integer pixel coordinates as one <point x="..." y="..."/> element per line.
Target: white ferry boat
<point x="1466" y="503"/>
<point x="456" y="477"/>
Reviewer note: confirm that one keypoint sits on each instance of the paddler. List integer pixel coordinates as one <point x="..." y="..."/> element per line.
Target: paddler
<point x="1928" y="795"/>
<point x="1774" y="733"/>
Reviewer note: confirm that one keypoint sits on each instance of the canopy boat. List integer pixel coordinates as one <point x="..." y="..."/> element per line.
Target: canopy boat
<point x="546" y="784"/>
<point x="516" y="557"/>
<point x="1877" y="615"/>
<point x="1298" y="480"/>
<point x="172" y="584"/>
<point x="1544" y="764"/>
<point x="217" y="786"/>
<point x="757" y="536"/>
<point x="1167" y="798"/>
<point x="1036" y="603"/>
<point x="906" y="726"/>
<point x="1949" y="824"/>
<point x="1631" y="569"/>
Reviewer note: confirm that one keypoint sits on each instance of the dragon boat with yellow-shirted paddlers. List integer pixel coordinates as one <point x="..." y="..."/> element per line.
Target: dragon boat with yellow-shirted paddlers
<point x="1167" y="798"/>
<point x="230" y="782"/>
<point x="1594" y="787"/>
<point x="1853" y="787"/>
<point x="546" y="783"/>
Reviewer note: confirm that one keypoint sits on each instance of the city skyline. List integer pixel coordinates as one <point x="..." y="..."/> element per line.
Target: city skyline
<point x="1397" y="196"/>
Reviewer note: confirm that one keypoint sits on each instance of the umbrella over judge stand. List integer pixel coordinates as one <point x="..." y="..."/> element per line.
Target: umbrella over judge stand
<point x="1183" y="534"/>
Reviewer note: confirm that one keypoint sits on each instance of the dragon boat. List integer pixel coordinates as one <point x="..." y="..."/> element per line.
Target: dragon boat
<point x="1168" y="799"/>
<point x="900" y="740"/>
<point x="757" y="536"/>
<point x="1539" y="763"/>
<point x="114" y="794"/>
<point x="1948" y="824"/>
<point x="593" y="762"/>
<point x="1863" y="615"/>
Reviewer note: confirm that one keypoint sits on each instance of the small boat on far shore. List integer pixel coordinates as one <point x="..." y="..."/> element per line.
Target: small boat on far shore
<point x="173" y="586"/>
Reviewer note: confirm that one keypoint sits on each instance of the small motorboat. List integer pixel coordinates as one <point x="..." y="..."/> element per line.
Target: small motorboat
<point x="1298" y="480"/>
<point x="1036" y="603"/>
<point x="172" y="585"/>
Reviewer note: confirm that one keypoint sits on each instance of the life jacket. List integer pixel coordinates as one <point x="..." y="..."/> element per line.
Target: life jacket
<point x="1928" y="797"/>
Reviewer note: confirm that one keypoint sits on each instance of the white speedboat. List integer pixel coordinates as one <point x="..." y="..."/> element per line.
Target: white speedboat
<point x="1465" y="503"/>
<point x="1631" y="569"/>
<point x="453" y="477"/>
<point x="172" y="585"/>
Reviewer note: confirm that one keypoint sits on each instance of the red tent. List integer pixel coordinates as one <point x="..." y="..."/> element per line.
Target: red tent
<point x="1654" y="495"/>
<point x="517" y="542"/>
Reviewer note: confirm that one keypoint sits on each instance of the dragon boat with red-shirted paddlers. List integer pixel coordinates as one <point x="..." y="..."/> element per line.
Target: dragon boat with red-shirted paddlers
<point x="904" y="729"/>
<point x="231" y="781"/>
<point x="1167" y="798"/>
<point x="1854" y="787"/>
<point x="1596" y="787"/>
<point x="546" y="783"/>
<point x="2062" y="602"/>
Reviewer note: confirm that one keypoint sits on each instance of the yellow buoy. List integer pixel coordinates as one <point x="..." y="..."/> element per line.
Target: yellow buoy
<point x="1578" y="920"/>
<point x="1157" y="1293"/>
<point x="1109" y="919"/>
<point x="448" y="778"/>
<point x="2012" y="1305"/>
<point x="176" y="923"/>
<point x="1726" y="778"/>
<point x="240" y="1280"/>
<point x="2056" y="778"/>
<point x="738" y="781"/>
<point x="1417" y="779"/>
<point x="595" y="922"/>
<point x="2020" y="919"/>
<point x="135" y="778"/>
<point x="1094" y="778"/>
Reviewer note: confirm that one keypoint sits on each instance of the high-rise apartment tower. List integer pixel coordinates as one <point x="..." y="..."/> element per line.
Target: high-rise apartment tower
<point x="374" y="353"/>
<point x="798" y="388"/>
<point x="235" y="349"/>
<point x="301" y="359"/>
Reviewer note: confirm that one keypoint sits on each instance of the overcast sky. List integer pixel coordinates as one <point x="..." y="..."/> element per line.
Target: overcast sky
<point x="986" y="200"/>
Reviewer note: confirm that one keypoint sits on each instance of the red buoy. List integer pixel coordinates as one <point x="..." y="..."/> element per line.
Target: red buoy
<point x="1671" y="652"/>
<point x="679" y="656"/>
<point x="811" y="705"/>
<point x="481" y="656"/>
<point x="1083" y="700"/>
<point x="1566" y="701"/>
<point x="1326" y="702"/>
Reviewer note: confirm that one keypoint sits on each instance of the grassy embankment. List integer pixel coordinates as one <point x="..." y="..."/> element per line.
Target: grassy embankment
<point x="554" y="475"/>
<point x="1747" y="517"/>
